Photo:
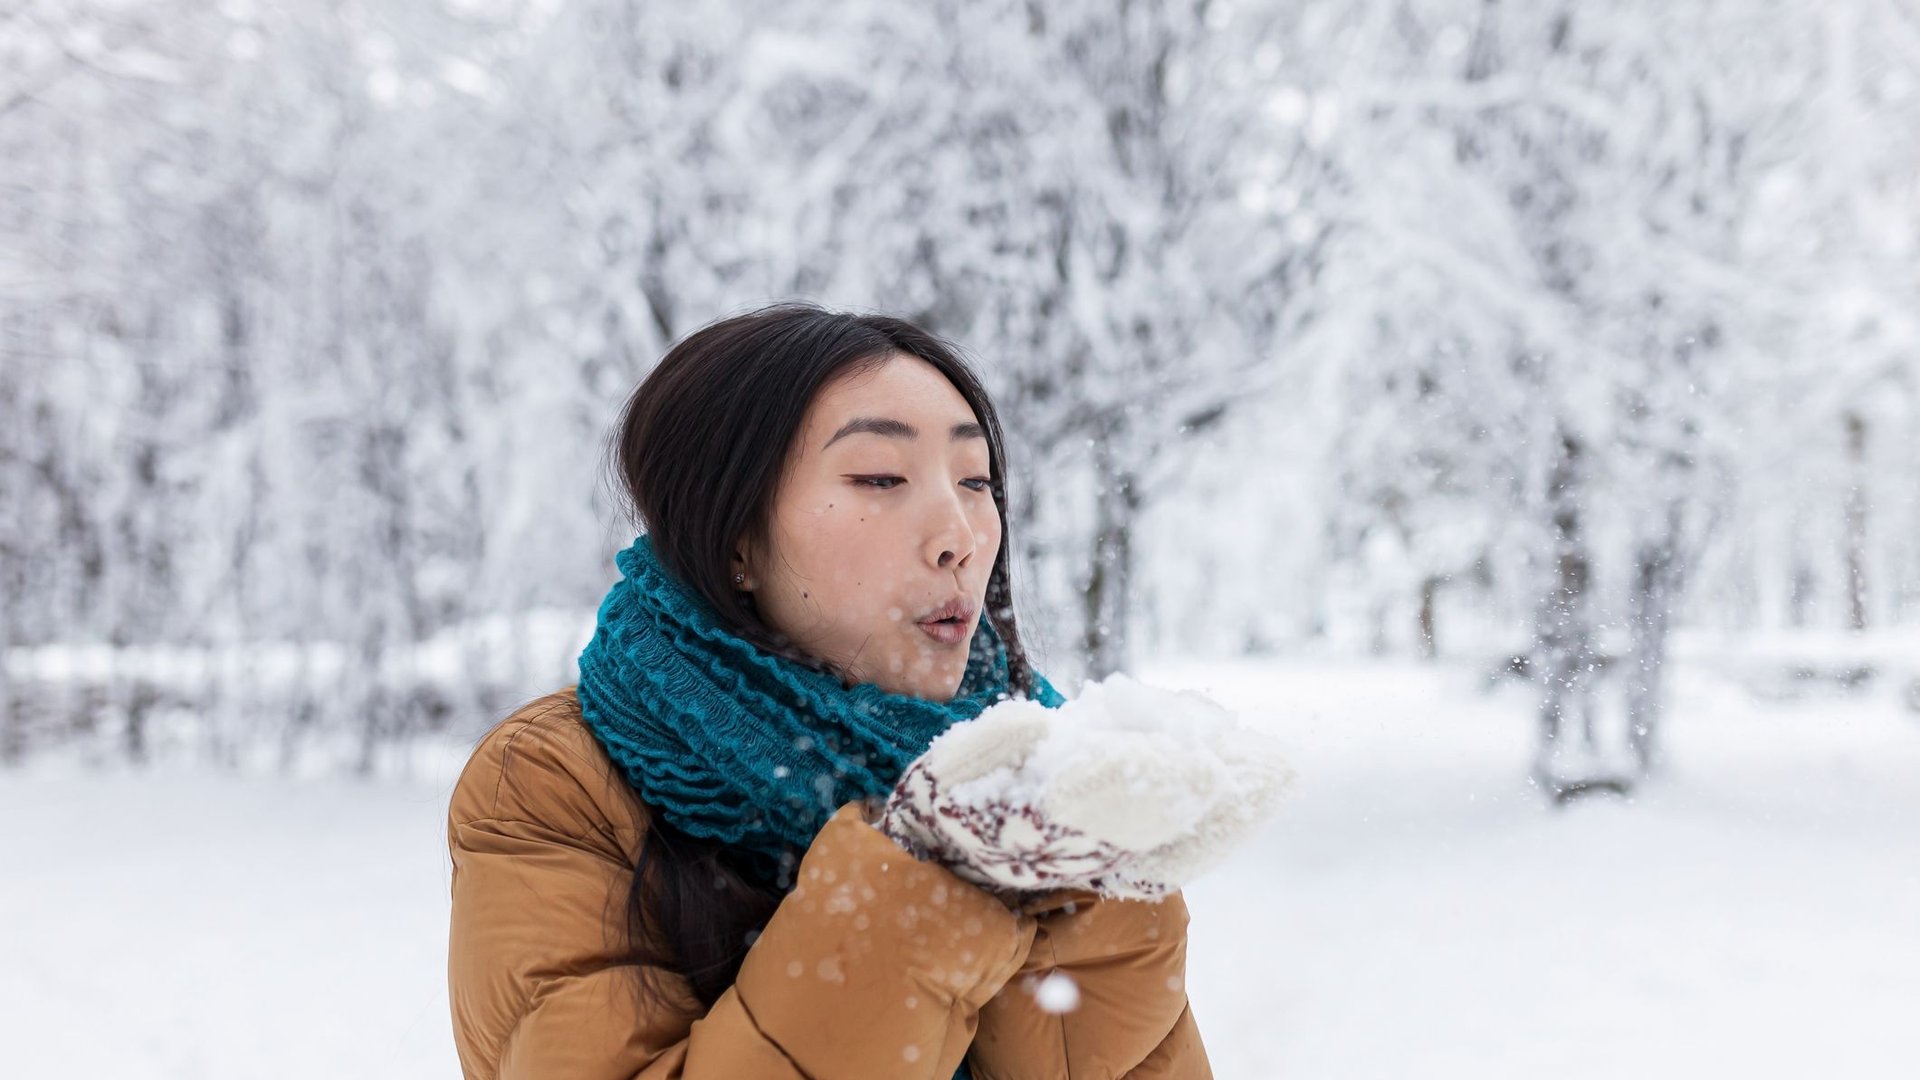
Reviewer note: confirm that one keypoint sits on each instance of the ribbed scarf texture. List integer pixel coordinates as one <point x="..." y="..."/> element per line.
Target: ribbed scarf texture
<point x="734" y="743"/>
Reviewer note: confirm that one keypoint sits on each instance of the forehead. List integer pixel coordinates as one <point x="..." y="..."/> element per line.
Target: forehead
<point x="904" y="387"/>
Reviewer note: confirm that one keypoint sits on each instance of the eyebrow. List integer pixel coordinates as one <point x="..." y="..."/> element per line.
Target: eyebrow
<point x="900" y="429"/>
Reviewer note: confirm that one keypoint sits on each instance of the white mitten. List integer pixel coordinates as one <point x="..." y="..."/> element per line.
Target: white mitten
<point x="1127" y="790"/>
<point x="962" y="804"/>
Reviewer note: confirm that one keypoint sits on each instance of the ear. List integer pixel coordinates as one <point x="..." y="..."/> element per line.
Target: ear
<point x="741" y="565"/>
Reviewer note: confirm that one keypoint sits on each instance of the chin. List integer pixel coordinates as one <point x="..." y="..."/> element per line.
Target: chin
<point x="950" y="687"/>
<point x="935" y="688"/>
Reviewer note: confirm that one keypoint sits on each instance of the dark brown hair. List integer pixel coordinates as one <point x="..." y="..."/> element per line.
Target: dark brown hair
<point x="700" y="451"/>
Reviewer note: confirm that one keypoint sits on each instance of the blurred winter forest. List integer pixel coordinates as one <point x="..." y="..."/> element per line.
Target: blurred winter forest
<point x="1551" y="338"/>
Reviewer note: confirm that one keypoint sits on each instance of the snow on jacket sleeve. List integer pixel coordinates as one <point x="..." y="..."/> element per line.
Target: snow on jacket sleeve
<point x="875" y="965"/>
<point x="1127" y="962"/>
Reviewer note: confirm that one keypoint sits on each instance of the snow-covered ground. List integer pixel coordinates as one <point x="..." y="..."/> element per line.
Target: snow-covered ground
<point x="1413" y="912"/>
<point x="1416" y="912"/>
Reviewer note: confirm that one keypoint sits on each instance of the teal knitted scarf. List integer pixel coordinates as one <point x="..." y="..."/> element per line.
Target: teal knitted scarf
<point x="733" y="743"/>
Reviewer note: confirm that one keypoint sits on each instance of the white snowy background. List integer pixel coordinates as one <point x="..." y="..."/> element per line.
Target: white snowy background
<point x="1514" y="406"/>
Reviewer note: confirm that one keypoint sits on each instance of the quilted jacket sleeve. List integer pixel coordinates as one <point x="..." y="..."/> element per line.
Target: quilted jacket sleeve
<point x="874" y="965"/>
<point x="1126" y="960"/>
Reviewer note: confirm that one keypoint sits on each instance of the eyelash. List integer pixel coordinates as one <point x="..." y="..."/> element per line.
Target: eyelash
<point x="867" y="481"/>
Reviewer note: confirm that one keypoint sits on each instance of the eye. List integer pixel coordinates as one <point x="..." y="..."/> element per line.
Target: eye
<point x="985" y="482"/>
<point x="874" y="481"/>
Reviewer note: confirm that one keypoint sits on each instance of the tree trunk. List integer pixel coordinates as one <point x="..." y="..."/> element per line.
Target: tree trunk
<point x="1428" y="590"/>
<point x="1564" y="637"/>
<point x="1655" y="589"/>
<point x="1109" y="580"/>
<point x="1856" y="521"/>
<point x="1800" y="586"/>
<point x="13" y="742"/>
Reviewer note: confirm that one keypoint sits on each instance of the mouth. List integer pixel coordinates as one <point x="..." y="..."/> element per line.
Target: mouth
<point x="948" y="623"/>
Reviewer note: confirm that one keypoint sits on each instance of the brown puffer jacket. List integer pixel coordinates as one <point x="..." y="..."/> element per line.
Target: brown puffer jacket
<point x="874" y="966"/>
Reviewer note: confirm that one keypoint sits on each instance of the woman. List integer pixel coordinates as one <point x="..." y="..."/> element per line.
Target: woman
<point x="676" y="867"/>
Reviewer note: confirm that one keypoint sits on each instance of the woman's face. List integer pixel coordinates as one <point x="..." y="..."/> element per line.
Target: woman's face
<point x="884" y="513"/>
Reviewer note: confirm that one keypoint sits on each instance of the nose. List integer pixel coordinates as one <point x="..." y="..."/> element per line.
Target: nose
<point x="950" y="542"/>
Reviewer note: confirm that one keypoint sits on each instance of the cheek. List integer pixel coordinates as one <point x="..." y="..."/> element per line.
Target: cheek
<point x="986" y="530"/>
<point x="831" y="551"/>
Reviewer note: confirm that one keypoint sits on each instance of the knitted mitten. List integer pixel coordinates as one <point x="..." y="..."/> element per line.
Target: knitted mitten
<point x="997" y="836"/>
<point x="1127" y="790"/>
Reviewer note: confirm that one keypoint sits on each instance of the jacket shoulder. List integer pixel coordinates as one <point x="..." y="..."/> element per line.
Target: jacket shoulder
<point x="542" y="766"/>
